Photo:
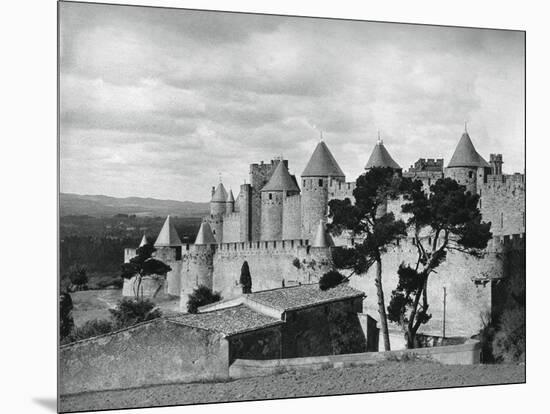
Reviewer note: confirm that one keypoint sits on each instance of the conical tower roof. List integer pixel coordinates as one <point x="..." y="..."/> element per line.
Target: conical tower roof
<point x="205" y="236"/>
<point x="281" y="180"/>
<point x="322" y="163"/>
<point x="220" y="195"/>
<point x="168" y="235"/>
<point x="143" y="241"/>
<point x="465" y="154"/>
<point x="322" y="238"/>
<point x="230" y="198"/>
<point x="380" y="157"/>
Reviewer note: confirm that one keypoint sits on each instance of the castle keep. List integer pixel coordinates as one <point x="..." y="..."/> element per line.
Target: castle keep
<point x="277" y="224"/>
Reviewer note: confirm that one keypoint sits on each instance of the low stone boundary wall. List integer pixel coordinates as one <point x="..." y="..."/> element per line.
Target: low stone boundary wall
<point x="464" y="354"/>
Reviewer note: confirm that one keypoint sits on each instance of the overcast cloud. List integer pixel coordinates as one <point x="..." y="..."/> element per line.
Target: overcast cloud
<point x="159" y="102"/>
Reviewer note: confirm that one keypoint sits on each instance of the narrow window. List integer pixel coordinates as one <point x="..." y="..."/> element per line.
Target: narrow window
<point x="270" y="196"/>
<point x="304" y="183"/>
<point x="470" y="174"/>
<point x="320" y="182"/>
<point x="501" y="220"/>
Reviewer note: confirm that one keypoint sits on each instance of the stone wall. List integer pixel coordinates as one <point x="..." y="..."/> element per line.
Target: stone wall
<point x="467" y="283"/>
<point x="151" y="353"/>
<point x="232" y="227"/>
<point x="292" y="219"/>
<point x="196" y="270"/>
<point x="260" y="344"/>
<point x="341" y="190"/>
<point x="150" y="287"/>
<point x="245" y="205"/>
<point x="271" y="264"/>
<point x="259" y="176"/>
<point x="503" y="203"/>
<point x="332" y="328"/>
<point x="466" y="176"/>
<point x="272" y="215"/>
<point x="314" y="204"/>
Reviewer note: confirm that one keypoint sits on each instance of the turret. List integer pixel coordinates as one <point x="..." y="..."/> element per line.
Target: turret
<point x="322" y="238"/>
<point x="218" y="201"/>
<point x="218" y="207"/>
<point x="280" y="186"/>
<point x="169" y="246"/>
<point x="496" y="164"/>
<point x="230" y="202"/>
<point x="467" y="167"/>
<point x="380" y="157"/>
<point x="321" y="170"/>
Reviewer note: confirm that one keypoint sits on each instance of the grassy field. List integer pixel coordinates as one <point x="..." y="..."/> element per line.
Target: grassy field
<point x="387" y="376"/>
<point x="95" y="304"/>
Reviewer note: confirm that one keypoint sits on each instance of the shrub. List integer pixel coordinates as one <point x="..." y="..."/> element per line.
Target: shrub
<point x="486" y="336"/>
<point x="78" y="276"/>
<point x="201" y="296"/>
<point x="509" y="341"/>
<point x="331" y="279"/>
<point x="296" y="263"/>
<point x="131" y="311"/>
<point x="92" y="328"/>
<point x="66" y="323"/>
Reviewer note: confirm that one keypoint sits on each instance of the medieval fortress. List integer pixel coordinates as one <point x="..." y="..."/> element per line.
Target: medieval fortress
<point x="277" y="224"/>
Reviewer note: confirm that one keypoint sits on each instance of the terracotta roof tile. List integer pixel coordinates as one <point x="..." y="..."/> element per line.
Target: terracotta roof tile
<point x="228" y="321"/>
<point x="303" y="296"/>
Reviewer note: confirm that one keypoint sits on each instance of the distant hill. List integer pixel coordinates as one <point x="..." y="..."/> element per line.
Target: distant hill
<point x="101" y="206"/>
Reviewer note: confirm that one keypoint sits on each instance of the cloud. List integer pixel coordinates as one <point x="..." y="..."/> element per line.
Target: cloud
<point x="158" y="102"/>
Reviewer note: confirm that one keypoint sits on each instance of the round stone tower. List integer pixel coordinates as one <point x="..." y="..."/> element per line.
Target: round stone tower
<point x="321" y="170"/>
<point x="218" y="207"/>
<point x="467" y="167"/>
<point x="280" y="186"/>
<point x="199" y="268"/>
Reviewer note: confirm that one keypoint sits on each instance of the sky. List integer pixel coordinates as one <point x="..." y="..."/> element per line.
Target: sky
<point x="164" y="103"/>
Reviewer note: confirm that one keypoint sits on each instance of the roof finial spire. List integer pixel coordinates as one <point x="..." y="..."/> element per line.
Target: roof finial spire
<point x="320" y="134"/>
<point x="379" y="141"/>
<point x="465" y="127"/>
<point x="220" y="176"/>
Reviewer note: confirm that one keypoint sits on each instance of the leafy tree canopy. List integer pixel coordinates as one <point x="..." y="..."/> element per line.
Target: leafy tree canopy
<point x="201" y="296"/>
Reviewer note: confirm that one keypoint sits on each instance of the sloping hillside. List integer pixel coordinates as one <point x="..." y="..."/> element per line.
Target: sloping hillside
<point x="101" y="206"/>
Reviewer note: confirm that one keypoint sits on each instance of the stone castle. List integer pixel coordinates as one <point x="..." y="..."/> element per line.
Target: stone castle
<point x="277" y="224"/>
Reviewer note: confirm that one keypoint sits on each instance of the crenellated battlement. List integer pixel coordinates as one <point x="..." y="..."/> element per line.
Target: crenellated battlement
<point x="264" y="246"/>
<point x="503" y="182"/>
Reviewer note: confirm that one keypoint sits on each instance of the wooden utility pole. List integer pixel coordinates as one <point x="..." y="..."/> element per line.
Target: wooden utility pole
<point x="444" y="308"/>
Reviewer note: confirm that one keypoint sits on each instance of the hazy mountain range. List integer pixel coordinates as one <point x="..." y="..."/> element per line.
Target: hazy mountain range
<point x="101" y="206"/>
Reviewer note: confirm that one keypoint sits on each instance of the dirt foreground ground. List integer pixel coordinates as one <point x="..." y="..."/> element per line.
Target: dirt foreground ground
<point x="387" y="376"/>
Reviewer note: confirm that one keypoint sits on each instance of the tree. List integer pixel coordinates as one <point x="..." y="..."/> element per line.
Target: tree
<point x="201" y="296"/>
<point x="368" y="220"/>
<point x="66" y="322"/>
<point x="128" y="312"/>
<point x="143" y="265"/>
<point x="78" y="276"/>
<point x="445" y="219"/>
<point x="331" y="279"/>
<point x="245" y="279"/>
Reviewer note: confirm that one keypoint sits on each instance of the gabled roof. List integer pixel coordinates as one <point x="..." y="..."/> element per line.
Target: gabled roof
<point x="380" y="157"/>
<point x="322" y="163"/>
<point x="322" y="238"/>
<point x="281" y="180"/>
<point x="230" y="198"/>
<point x="205" y="236"/>
<point x="168" y="235"/>
<point x="465" y="154"/>
<point x="228" y="321"/>
<point x="303" y="296"/>
<point x="220" y="195"/>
